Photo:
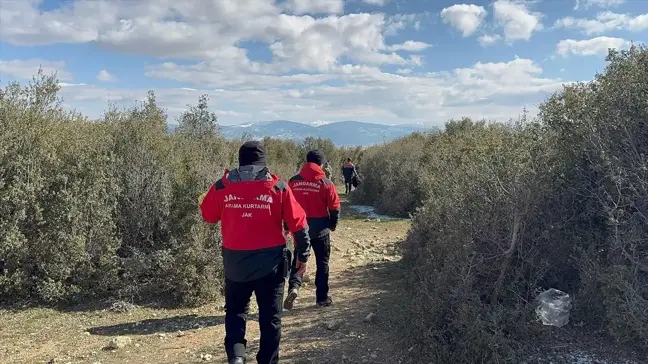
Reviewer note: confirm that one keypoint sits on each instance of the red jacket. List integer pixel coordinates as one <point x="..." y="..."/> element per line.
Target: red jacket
<point x="252" y="212"/>
<point x="318" y="197"/>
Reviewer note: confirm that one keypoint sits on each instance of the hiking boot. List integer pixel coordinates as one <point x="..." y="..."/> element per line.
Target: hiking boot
<point x="290" y="300"/>
<point x="237" y="360"/>
<point x="326" y="303"/>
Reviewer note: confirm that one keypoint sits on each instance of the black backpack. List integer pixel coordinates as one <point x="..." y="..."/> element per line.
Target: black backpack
<point x="355" y="181"/>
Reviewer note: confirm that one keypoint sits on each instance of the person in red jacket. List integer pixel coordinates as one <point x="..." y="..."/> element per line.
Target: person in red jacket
<point x="317" y="196"/>
<point x="253" y="205"/>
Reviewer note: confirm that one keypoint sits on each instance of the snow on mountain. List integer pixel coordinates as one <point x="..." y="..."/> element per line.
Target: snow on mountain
<point x="319" y="123"/>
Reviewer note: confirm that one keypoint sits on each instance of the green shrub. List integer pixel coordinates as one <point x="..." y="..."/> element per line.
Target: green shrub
<point x="601" y="130"/>
<point x="391" y="176"/>
<point x="475" y="249"/>
<point x="503" y="211"/>
<point x="108" y="208"/>
<point x="57" y="197"/>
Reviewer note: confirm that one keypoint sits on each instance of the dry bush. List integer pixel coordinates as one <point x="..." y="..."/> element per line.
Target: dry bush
<point x="508" y="210"/>
<point x="284" y="157"/>
<point x="108" y="208"/>
<point x="601" y="130"/>
<point x="58" y="197"/>
<point x="476" y="252"/>
<point x="391" y="175"/>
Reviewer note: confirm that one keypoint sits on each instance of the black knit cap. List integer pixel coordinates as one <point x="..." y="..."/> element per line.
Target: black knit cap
<point x="315" y="156"/>
<point x="252" y="153"/>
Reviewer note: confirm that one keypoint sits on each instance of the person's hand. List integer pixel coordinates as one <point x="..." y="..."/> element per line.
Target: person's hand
<point x="301" y="267"/>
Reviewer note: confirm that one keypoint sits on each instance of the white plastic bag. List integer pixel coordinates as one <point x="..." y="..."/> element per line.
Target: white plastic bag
<point x="553" y="307"/>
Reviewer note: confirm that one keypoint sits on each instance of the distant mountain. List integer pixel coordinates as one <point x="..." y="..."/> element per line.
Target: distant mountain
<point x="342" y="133"/>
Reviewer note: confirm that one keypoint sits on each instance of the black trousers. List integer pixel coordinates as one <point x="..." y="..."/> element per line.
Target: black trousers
<point x="322" y="249"/>
<point x="269" y="295"/>
<point x="348" y="186"/>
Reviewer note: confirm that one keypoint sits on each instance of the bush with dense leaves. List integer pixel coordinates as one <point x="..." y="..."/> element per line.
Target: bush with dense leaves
<point x="108" y="208"/>
<point x="601" y="132"/>
<point x="508" y="210"/>
<point x="392" y="176"/>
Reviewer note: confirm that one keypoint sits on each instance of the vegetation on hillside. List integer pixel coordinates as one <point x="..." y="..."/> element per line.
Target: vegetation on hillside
<point x="93" y="209"/>
<point x="503" y="211"/>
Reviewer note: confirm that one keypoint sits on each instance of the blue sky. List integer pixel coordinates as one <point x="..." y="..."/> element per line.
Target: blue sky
<point x="384" y="61"/>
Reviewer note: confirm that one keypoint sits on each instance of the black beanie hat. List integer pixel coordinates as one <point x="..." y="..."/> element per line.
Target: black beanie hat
<point x="315" y="156"/>
<point x="252" y="153"/>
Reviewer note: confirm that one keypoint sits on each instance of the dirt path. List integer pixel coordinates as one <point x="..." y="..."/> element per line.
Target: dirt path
<point x="365" y="279"/>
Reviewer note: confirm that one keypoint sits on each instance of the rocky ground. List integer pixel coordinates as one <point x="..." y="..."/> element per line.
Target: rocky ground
<point x="365" y="324"/>
<point x="358" y="328"/>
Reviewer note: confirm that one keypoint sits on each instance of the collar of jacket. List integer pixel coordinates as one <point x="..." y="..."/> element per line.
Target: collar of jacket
<point x="254" y="174"/>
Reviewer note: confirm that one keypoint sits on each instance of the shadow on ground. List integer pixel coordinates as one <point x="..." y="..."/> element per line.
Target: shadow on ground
<point x="151" y="302"/>
<point x="161" y="325"/>
<point x="342" y="333"/>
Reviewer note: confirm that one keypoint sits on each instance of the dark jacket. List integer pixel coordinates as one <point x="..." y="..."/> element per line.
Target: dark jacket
<point x="317" y="196"/>
<point x="349" y="171"/>
<point x="252" y="204"/>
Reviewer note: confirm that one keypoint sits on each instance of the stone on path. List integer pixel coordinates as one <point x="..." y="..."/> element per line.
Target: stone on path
<point x="333" y="325"/>
<point x="206" y="357"/>
<point x="119" y="342"/>
<point x="370" y="317"/>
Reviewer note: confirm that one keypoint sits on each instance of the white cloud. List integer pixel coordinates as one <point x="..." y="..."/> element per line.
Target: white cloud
<point x="501" y="74"/>
<point x="213" y="31"/>
<point x="213" y="74"/>
<point x="599" y="3"/>
<point x="638" y="23"/>
<point x="518" y="21"/>
<point x="22" y="23"/>
<point x="463" y="17"/>
<point x="26" y="69"/>
<point x="590" y="47"/>
<point x="491" y="90"/>
<point x="486" y="40"/>
<point x="409" y="46"/>
<point x="315" y="6"/>
<point x="376" y="2"/>
<point x="322" y="67"/>
<point x="604" y="22"/>
<point x="398" y="22"/>
<point x="105" y="76"/>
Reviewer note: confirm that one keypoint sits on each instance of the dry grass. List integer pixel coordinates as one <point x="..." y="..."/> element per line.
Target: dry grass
<point x="364" y="279"/>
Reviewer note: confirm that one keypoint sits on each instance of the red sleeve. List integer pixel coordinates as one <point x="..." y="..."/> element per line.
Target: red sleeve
<point x="210" y="207"/>
<point x="333" y="198"/>
<point x="293" y="214"/>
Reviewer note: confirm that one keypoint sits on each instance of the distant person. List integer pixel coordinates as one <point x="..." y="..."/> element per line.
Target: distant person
<point x="252" y="205"/>
<point x="317" y="196"/>
<point x="328" y="170"/>
<point x="349" y="173"/>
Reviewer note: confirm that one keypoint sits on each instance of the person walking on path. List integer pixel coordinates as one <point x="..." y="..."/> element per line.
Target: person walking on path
<point x="253" y="205"/>
<point x="318" y="197"/>
<point x="349" y="173"/>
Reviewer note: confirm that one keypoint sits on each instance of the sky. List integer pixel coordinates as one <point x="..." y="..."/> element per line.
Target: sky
<point x="382" y="61"/>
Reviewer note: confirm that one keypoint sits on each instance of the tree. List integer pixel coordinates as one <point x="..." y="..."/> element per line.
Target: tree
<point x="198" y="121"/>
